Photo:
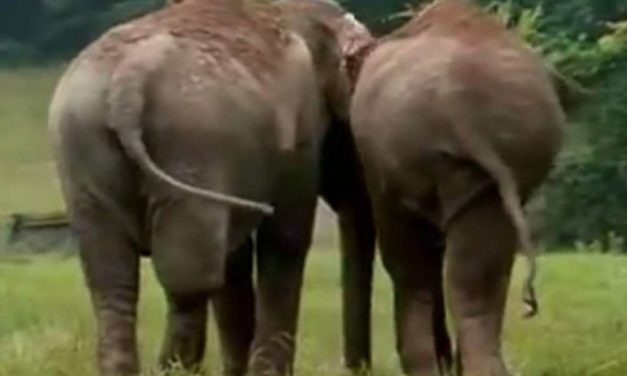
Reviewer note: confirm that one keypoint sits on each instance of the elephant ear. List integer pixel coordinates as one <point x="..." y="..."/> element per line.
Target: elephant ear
<point x="324" y="46"/>
<point x="355" y="61"/>
<point x="570" y="93"/>
<point x="356" y="43"/>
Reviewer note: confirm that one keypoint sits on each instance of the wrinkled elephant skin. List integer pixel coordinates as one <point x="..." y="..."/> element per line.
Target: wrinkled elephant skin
<point x="176" y="136"/>
<point x="456" y="122"/>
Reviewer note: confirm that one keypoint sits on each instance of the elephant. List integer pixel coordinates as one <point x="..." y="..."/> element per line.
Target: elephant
<point x="194" y="135"/>
<point x="456" y="123"/>
<point x="343" y="188"/>
<point x="341" y="183"/>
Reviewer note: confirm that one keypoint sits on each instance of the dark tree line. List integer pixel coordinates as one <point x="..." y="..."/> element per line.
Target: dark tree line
<point x="37" y="30"/>
<point x="43" y="30"/>
<point x="586" y="198"/>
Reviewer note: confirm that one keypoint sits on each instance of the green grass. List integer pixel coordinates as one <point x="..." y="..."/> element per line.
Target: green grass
<point x="27" y="179"/>
<point x="46" y="327"/>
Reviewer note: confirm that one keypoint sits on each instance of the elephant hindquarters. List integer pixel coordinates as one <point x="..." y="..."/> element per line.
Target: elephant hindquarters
<point x="189" y="241"/>
<point x="189" y="251"/>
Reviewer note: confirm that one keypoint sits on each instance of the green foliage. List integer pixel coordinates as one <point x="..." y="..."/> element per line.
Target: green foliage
<point x="576" y="55"/>
<point x="585" y="199"/>
<point x="587" y="194"/>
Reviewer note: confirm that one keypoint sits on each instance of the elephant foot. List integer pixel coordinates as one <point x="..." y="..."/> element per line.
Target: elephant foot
<point x="185" y="337"/>
<point x="120" y="366"/>
<point x="273" y="357"/>
<point x="492" y="366"/>
<point x="428" y="371"/>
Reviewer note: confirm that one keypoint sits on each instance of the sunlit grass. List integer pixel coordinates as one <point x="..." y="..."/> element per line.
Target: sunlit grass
<point x="46" y="327"/>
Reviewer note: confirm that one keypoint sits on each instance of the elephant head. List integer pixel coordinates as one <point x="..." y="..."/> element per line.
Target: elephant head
<point x="333" y="36"/>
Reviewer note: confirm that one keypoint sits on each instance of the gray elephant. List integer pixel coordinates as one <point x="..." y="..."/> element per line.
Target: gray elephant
<point x="456" y="122"/>
<point x="178" y="135"/>
<point x="342" y="186"/>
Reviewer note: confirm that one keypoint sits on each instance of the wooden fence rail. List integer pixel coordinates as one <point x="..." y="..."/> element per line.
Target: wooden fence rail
<point x="38" y="233"/>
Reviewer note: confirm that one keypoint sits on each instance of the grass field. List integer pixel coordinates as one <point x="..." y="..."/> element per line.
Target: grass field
<point x="27" y="181"/>
<point x="46" y="327"/>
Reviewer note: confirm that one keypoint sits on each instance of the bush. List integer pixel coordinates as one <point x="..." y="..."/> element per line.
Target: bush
<point x="584" y="201"/>
<point x="14" y="53"/>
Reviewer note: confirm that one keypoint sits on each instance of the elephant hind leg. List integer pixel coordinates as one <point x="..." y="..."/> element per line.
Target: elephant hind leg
<point x="185" y="338"/>
<point x="188" y="240"/>
<point x="234" y="307"/>
<point x="283" y="244"/>
<point x="481" y="243"/>
<point x="111" y="266"/>
<point x="411" y="249"/>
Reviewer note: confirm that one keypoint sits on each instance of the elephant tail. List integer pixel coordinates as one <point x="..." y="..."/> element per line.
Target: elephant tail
<point x="126" y="107"/>
<point x="485" y="155"/>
